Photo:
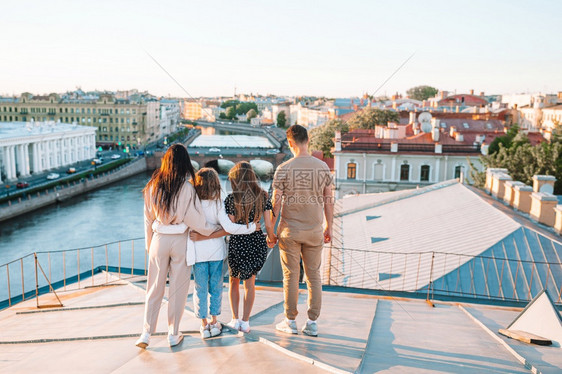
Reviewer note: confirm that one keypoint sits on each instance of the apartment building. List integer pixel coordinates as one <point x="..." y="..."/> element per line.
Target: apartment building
<point x="125" y="122"/>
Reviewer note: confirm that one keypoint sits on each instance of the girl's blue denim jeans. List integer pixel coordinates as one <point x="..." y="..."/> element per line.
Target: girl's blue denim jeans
<point x="208" y="282"/>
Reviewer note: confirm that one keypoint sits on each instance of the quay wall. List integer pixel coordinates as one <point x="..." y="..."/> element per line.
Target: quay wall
<point x="64" y="192"/>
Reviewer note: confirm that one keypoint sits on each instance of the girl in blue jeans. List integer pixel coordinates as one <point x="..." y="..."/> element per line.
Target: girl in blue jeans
<point x="206" y="253"/>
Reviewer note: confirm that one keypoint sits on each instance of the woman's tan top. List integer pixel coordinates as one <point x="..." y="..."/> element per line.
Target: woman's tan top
<point x="187" y="209"/>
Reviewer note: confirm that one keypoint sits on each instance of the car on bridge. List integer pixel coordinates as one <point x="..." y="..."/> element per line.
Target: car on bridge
<point x="22" y="185"/>
<point x="217" y="150"/>
<point x="52" y="176"/>
<point x="272" y="151"/>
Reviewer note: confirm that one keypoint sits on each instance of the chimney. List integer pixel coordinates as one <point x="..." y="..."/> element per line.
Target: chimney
<point x="522" y="198"/>
<point x="338" y="141"/>
<point x="472" y="92"/>
<point x="394" y="147"/>
<point x="498" y="184"/>
<point x="459" y="137"/>
<point x="412" y="117"/>
<point x="484" y="149"/>
<point x="482" y="94"/>
<point x="435" y="129"/>
<point x="452" y="131"/>
<point x="489" y="177"/>
<point x="558" y="219"/>
<point x="543" y="183"/>
<point x="438" y="148"/>
<point x="542" y="207"/>
<point x="509" y="193"/>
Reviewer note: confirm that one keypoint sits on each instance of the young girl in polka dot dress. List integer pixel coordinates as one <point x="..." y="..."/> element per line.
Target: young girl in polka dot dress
<point x="246" y="253"/>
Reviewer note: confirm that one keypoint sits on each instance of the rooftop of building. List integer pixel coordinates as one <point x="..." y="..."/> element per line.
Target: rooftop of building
<point x="476" y="260"/>
<point x="96" y="329"/>
<point x="10" y="130"/>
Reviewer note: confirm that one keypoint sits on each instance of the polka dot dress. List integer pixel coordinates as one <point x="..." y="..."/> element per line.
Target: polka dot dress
<point x="246" y="253"/>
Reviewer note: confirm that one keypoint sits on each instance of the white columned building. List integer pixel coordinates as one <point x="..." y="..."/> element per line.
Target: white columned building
<point x="27" y="148"/>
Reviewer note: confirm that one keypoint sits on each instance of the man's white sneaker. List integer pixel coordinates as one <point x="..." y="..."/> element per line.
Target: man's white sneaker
<point x="143" y="341"/>
<point x="311" y="328"/>
<point x="174" y="340"/>
<point x="287" y="325"/>
<point x="245" y="326"/>
<point x="205" y="333"/>
<point x="216" y="329"/>
<point x="234" y="324"/>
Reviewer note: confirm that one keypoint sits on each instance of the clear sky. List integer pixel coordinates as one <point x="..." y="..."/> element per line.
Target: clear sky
<point x="292" y="47"/>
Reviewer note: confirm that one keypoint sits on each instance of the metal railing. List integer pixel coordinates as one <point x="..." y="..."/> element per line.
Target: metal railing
<point x="42" y="272"/>
<point x="439" y="274"/>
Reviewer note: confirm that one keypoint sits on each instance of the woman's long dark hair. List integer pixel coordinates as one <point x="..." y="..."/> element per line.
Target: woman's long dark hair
<point x="166" y="182"/>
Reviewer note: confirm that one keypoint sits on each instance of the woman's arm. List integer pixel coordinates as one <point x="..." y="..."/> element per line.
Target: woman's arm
<point x="233" y="228"/>
<point x="149" y="218"/>
<point x="194" y="217"/>
<point x="195" y="236"/>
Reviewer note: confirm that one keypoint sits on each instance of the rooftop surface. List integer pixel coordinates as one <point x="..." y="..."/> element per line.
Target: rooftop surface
<point x="96" y="329"/>
<point x="450" y="237"/>
<point x="18" y="129"/>
<point x="231" y="141"/>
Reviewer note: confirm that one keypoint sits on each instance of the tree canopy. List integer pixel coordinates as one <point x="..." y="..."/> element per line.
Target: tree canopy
<point x="281" y="119"/>
<point x="370" y="117"/>
<point x="322" y="137"/>
<point x="239" y="107"/>
<point x="523" y="160"/>
<point x="422" y="92"/>
<point x="251" y="114"/>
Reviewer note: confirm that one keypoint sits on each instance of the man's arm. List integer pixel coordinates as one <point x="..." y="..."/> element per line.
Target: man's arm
<point x="328" y="212"/>
<point x="276" y="201"/>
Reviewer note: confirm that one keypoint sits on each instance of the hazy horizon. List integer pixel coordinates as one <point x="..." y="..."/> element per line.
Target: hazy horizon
<point x="293" y="48"/>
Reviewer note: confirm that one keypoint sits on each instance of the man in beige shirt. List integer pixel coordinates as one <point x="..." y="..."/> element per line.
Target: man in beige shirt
<point x="302" y="193"/>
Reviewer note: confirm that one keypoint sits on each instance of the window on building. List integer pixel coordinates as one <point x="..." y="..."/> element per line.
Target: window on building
<point x="424" y="173"/>
<point x="88" y="110"/>
<point x="134" y="111"/>
<point x="458" y="171"/>
<point x="60" y="110"/>
<point x="122" y="111"/>
<point x="122" y="120"/>
<point x="351" y="170"/>
<point x="128" y="120"/>
<point x="94" y="111"/>
<point x="404" y="172"/>
<point x="71" y="110"/>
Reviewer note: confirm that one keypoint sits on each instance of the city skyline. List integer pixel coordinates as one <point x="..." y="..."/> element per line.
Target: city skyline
<point x="291" y="49"/>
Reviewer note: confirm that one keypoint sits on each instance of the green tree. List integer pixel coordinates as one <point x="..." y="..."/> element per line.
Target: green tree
<point x="523" y="160"/>
<point x="281" y="119"/>
<point x="230" y="112"/>
<point x="251" y="114"/>
<point x="370" y="117"/>
<point x="322" y="137"/>
<point x="229" y="103"/>
<point x="506" y="140"/>
<point x="222" y="115"/>
<point x="422" y="92"/>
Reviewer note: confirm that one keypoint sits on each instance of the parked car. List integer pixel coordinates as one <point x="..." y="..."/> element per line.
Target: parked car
<point x="71" y="171"/>
<point x="272" y="151"/>
<point x="22" y="185"/>
<point x="214" y="150"/>
<point x="97" y="161"/>
<point x="115" y="157"/>
<point x="53" y="176"/>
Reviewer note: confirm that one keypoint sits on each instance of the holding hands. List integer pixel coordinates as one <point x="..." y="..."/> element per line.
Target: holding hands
<point x="271" y="241"/>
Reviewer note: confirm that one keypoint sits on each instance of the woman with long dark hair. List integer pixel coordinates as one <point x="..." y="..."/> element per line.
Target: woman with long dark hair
<point x="170" y="200"/>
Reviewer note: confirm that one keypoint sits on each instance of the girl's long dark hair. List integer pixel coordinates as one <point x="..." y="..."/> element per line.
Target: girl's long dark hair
<point x="247" y="193"/>
<point x="166" y="182"/>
